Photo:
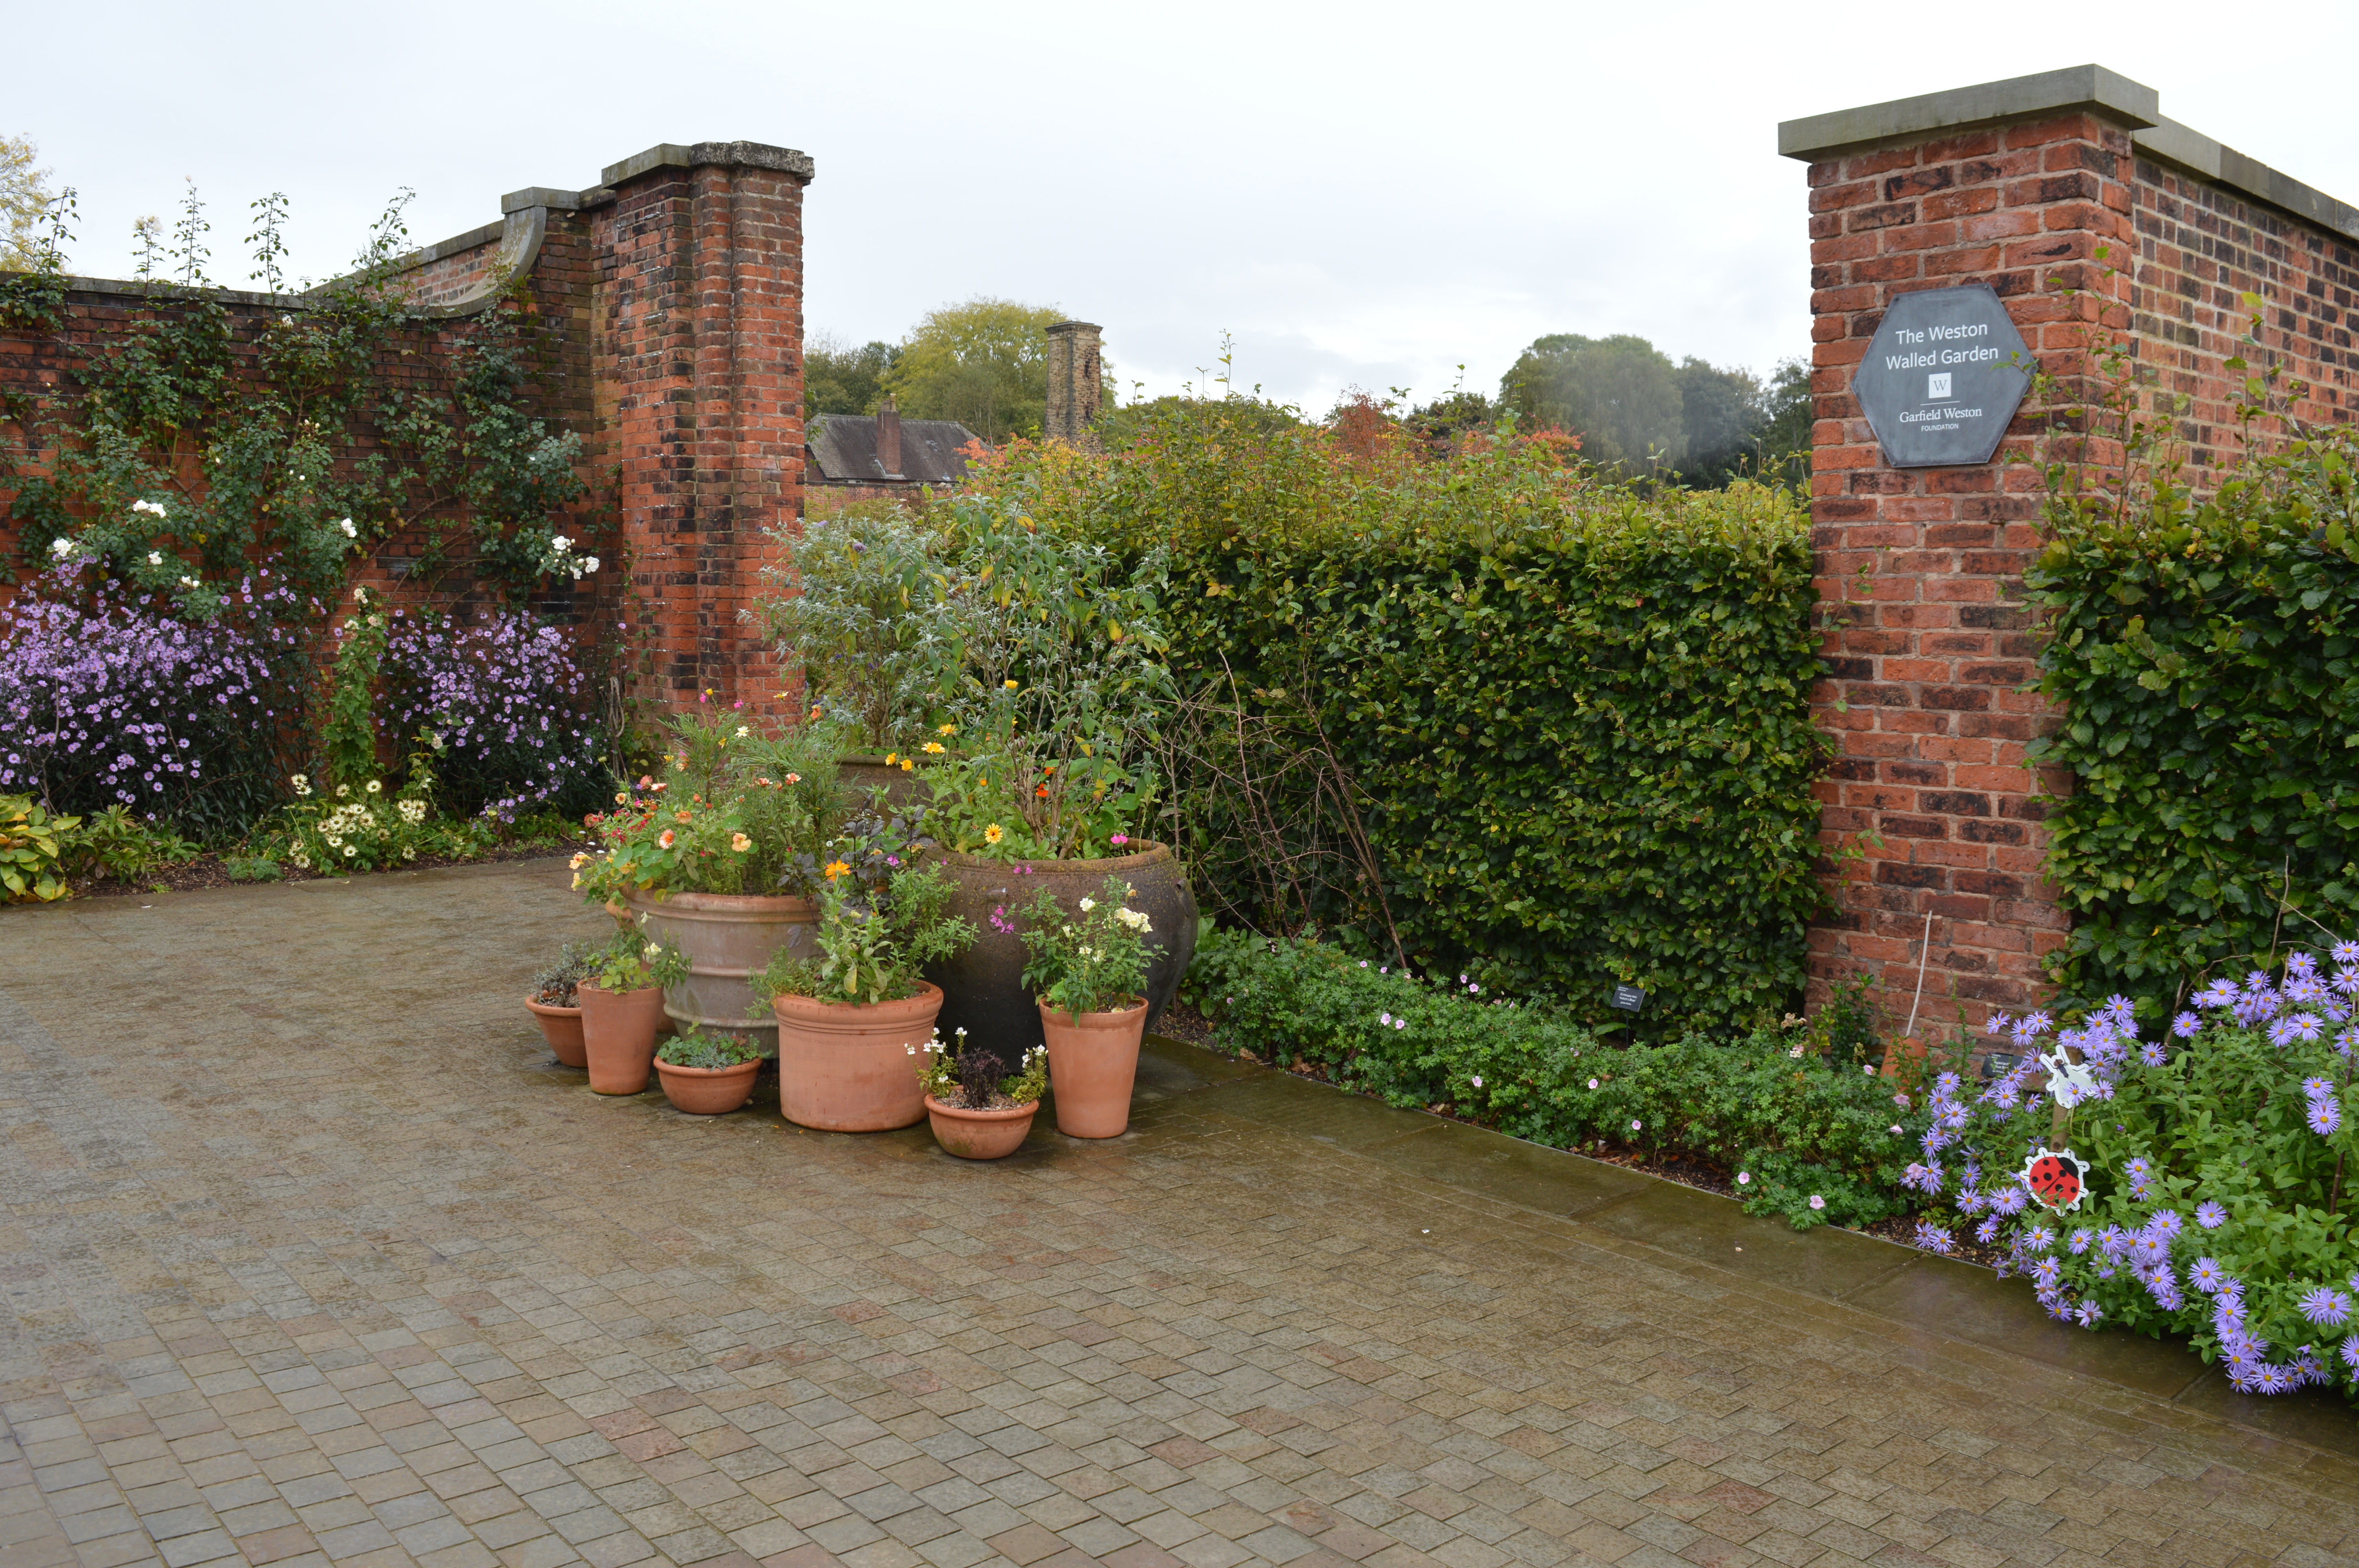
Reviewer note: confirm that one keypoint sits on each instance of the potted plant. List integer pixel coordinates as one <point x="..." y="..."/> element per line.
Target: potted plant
<point x="719" y="858"/>
<point x="1040" y="773"/>
<point x="553" y="1001"/>
<point x="622" y="1009"/>
<point x="707" y="1075"/>
<point x="1086" y="971"/>
<point x="980" y="1110"/>
<point x="847" y="1016"/>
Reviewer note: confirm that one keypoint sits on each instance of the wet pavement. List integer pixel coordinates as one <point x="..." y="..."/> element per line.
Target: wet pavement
<point x="312" y="1254"/>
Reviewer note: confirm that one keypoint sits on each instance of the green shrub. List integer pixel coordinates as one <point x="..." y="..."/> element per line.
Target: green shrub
<point x="1552" y="731"/>
<point x="2203" y="654"/>
<point x="1804" y="1126"/>
<point x="32" y="844"/>
<point x="113" y="843"/>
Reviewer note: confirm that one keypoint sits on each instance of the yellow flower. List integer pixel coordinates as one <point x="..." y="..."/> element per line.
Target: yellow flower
<point x="908" y="765"/>
<point x="579" y="861"/>
<point x="947" y="729"/>
<point x="891" y="758"/>
<point x="739" y="842"/>
<point x="836" y="868"/>
<point x="1010" y="684"/>
<point x="934" y="748"/>
<point x="993" y="834"/>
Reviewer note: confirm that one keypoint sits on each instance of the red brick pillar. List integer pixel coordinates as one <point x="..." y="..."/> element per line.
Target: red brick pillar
<point x="700" y="400"/>
<point x="1920" y="570"/>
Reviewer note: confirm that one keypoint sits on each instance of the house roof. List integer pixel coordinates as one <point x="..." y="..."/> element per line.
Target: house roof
<point x="843" y="449"/>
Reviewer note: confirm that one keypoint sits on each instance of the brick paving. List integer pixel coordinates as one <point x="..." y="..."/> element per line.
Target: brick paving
<point x="311" y="1255"/>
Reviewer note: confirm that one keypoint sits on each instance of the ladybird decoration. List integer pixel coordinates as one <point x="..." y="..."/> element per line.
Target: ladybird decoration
<point x="2057" y="1177"/>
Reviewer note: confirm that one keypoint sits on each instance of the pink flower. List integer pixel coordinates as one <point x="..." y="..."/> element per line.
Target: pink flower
<point x="1122" y="837"/>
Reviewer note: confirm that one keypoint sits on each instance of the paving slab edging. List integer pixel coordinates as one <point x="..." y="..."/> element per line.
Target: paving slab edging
<point x="1863" y="1282"/>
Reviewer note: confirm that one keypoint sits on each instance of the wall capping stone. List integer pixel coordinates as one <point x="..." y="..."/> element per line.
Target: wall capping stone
<point x="2081" y="88"/>
<point x="732" y="154"/>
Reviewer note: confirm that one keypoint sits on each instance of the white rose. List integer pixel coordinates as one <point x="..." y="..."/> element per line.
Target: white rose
<point x="1087" y="904"/>
<point x="589" y="562"/>
<point x="61" y="547"/>
<point x="154" y="558"/>
<point x="559" y="543"/>
<point x="350" y="532"/>
<point x="189" y="582"/>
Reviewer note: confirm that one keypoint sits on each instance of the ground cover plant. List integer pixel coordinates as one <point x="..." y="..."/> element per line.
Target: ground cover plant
<point x="2188" y="1180"/>
<point x="1794" y="1109"/>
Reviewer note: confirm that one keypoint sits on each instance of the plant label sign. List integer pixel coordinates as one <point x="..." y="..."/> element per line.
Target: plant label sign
<point x="1943" y="378"/>
<point x="1629" y="999"/>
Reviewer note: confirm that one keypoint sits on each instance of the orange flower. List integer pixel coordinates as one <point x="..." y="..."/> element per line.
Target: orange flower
<point x="836" y="868"/>
<point x="666" y="840"/>
<point x="681" y="816"/>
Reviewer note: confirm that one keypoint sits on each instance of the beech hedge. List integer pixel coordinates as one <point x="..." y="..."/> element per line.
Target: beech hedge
<point x="1574" y="717"/>
<point x="2203" y="650"/>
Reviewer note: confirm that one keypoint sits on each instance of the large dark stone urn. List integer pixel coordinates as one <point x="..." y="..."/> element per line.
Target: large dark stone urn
<point x="982" y="988"/>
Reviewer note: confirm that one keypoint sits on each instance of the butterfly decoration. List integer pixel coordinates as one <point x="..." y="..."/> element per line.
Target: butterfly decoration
<point x="2057" y="1177"/>
<point x="2070" y="1082"/>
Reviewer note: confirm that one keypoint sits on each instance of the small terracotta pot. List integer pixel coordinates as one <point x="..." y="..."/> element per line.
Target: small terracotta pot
<point x="1093" y="1062"/>
<point x="618" y="1036"/>
<point x="980" y="1134"/>
<point x="846" y="1067"/>
<point x="707" y="1091"/>
<point x="561" y="1027"/>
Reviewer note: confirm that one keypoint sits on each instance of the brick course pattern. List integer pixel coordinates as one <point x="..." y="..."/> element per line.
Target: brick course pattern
<point x="1921" y="570"/>
<point x="663" y="323"/>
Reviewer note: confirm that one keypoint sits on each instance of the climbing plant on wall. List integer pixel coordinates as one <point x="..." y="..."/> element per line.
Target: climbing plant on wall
<point x="201" y="436"/>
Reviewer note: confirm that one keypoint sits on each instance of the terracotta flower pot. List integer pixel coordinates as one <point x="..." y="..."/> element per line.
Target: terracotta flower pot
<point x="984" y="986"/>
<point x="728" y="939"/>
<point x="707" y="1091"/>
<point x="980" y="1134"/>
<point x="1093" y="1063"/>
<point x="618" y="1036"/>
<point x="561" y="1027"/>
<point x="846" y="1067"/>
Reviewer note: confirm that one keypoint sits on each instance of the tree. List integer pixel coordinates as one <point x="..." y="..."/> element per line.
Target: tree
<point x="1784" y="440"/>
<point x="1723" y="411"/>
<point x="841" y="379"/>
<point x="24" y="201"/>
<point x="1619" y="395"/>
<point x="984" y="363"/>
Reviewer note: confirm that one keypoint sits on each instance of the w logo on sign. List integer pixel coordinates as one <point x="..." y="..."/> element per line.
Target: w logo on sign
<point x="1938" y="384"/>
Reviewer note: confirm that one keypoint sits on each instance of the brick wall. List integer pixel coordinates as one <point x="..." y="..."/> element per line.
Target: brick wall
<point x="1932" y="817"/>
<point x="663" y="323"/>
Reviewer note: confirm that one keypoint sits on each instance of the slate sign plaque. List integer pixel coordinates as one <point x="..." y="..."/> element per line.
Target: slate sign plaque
<point x="1629" y="999"/>
<point x="1944" y="375"/>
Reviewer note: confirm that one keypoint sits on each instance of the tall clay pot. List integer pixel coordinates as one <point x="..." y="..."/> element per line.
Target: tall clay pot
<point x="984" y="986"/>
<point x="847" y="1066"/>
<point x="618" y="1035"/>
<point x="561" y="1027"/>
<point x="1093" y="1063"/>
<point x="728" y="939"/>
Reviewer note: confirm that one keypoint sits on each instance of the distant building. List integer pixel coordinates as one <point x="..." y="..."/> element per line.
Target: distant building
<point x="860" y="457"/>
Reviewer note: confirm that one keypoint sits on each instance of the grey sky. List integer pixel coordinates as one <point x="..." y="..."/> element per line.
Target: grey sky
<point x="1363" y="195"/>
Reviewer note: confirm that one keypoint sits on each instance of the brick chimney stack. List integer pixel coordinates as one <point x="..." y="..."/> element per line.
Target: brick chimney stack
<point x="889" y="440"/>
<point x="1074" y="392"/>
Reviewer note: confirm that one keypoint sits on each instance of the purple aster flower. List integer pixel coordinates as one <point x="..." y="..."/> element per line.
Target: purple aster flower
<point x="2209" y="1215"/>
<point x="2048" y="1272"/>
<point x="2034" y="1025"/>
<point x="2206" y="1275"/>
<point x="2089" y="1313"/>
<point x="2153" y="1054"/>
<point x="2186" y="1025"/>
<point x="2346" y="981"/>
<point x="2219" y="993"/>
<point x="1987" y="1231"/>
<point x="2317" y="1089"/>
<point x="2299" y="963"/>
<point x="2326" y="1307"/>
<point x="2345" y="952"/>
<point x="2351" y="1352"/>
<point x="2080" y="1242"/>
<point x="1932" y="1238"/>
<point x="2325" y="1116"/>
<point x="1999" y="1024"/>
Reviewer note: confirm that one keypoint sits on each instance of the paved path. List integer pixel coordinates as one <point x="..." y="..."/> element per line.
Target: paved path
<point x="311" y="1255"/>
